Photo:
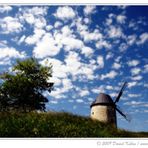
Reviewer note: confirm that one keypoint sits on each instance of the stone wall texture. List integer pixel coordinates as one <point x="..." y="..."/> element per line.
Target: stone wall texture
<point x="104" y="113"/>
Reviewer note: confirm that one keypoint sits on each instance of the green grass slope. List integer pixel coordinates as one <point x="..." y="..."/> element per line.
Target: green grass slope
<point x="57" y="125"/>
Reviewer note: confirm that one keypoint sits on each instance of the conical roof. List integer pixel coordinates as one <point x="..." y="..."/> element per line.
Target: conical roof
<point x="103" y="99"/>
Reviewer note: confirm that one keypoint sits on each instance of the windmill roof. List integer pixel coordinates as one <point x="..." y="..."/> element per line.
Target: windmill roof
<point x="103" y="99"/>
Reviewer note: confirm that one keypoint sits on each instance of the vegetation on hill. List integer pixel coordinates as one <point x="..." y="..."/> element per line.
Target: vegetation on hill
<point x="52" y="124"/>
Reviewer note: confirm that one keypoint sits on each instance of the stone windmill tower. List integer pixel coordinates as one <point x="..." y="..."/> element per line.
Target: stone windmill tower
<point x="104" y="108"/>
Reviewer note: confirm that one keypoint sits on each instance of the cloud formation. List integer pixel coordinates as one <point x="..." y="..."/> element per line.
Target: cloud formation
<point x="5" y="8"/>
<point x="65" y="13"/>
<point x="10" y="25"/>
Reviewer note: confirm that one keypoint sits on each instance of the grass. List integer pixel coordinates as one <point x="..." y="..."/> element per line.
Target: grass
<point x="54" y="124"/>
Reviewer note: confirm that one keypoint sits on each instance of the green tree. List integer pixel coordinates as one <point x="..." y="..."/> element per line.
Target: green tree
<point x="23" y="88"/>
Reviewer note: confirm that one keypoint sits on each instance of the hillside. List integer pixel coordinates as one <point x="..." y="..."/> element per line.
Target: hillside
<point x="53" y="124"/>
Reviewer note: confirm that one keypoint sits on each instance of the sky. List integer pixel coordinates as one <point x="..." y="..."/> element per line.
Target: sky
<point x="92" y="48"/>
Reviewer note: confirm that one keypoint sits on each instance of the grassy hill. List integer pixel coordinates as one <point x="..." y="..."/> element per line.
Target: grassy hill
<point x="53" y="124"/>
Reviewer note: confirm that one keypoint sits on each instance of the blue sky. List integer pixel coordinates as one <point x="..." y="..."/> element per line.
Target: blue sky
<point x="93" y="49"/>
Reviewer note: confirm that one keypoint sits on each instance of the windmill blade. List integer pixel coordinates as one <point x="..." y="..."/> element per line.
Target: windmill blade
<point x="126" y="116"/>
<point x="121" y="92"/>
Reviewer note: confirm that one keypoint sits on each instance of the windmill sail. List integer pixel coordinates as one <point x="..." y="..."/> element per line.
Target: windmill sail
<point x="121" y="92"/>
<point x="126" y="116"/>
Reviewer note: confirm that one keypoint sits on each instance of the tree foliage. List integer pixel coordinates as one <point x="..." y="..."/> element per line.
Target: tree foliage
<point x="23" y="88"/>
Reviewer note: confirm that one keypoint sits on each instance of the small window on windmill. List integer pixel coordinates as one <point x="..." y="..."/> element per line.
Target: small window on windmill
<point x="92" y="113"/>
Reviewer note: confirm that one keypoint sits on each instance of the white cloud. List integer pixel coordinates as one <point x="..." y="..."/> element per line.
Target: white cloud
<point x="5" y="61"/>
<point x="46" y="47"/>
<point x="116" y="66"/>
<point x="77" y="69"/>
<point x="103" y="43"/>
<point x="33" y="39"/>
<point x="145" y="85"/>
<point x="53" y="102"/>
<point x="71" y="101"/>
<point x="72" y="43"/>
<point x="111" y="15"/>
<point x="84" y="93"/>
<point x="137" y="104"/>
<point x="122" y="7"/>
<point x="108" y="21"/>
<point x="66" y="87"/>
<point x="90" y="99"/>
<point x="37" y="11"/>
<point x="131" y="39"/>
<point x="58" y="93"/>
<point x="22" y="39"/>
<point x="59" y="69"/>
<point x="5" y="8"/>
<point x="118" y="59"/>
<point x="143" y="38"/>
<point x="100" y="61"/>
<point x="10" y="25"/>
<point x="123" y="47"/>
<point x="40" y="22"/>
<point x="137" y="78"/>
<point x="145" y="68"/>
<point x="133" y="103"/>
<point x="134" y="95"/>
<point x="121" y="19"/>
<point x="65" y="13"/>
<point x="79" y="101"/>
<point x="10" y="52"/>
<point x="71" y="66"/>
<point x="112" y="74"/>
<point x="93" y="64"/>
<point x="114" y="32"/>
<point x="33" y="16"/>
<point x="95" y="90"/>
<point x="89" y="10"/>
<point x="60" y="77"/>
<point x="113" y="95"/>
<point x="73" y="63"/>
<point x="133" y="63"/>
<point x="49" y="27"/>
<point x="109" y="55"/>
<point x="66" y="31"/>
<point x="3" y="43"/>
<point x="87" y="72"/>
<point x="135" y="71"/>
<point x="87" y="20"/>
<point x="57" y="24"/>
<point x="133" y="25"/>
<point x="87" y="51"/>
<point x="131" y="84"/>
<point x="91" y="36"/>
<point x="67" y="39"/>
<point x="109" y="87"/>
<point x="99" y="89"/>
<point x="80" y="25"/>
<point x="67" y="84"/>
<point x="57" y="81"/>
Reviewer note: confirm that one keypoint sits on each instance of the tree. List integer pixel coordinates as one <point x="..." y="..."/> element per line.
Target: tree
<point x="23" y="88"/>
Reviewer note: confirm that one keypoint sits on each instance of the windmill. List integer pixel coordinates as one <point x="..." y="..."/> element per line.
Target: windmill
<point x="104" y="108"/>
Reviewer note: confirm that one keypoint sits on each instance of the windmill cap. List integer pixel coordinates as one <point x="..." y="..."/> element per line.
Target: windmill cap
<point x="103" y="99"/>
